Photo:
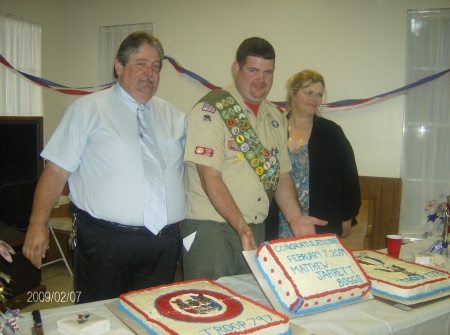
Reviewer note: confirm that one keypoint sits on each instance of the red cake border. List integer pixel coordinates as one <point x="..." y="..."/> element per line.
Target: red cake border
<point x="284" y="319"/>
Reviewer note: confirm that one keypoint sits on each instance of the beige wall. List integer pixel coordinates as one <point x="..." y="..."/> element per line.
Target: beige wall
<point x="358" y="45"/>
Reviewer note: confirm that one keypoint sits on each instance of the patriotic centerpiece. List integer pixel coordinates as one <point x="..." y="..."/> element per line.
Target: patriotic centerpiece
<point x="5" y="251"/>
<point x="439" y="209"/>
<point x="8" y="319"/>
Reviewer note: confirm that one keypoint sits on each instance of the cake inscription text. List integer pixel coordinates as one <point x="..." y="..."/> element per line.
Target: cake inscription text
<point x="231" y="327"/>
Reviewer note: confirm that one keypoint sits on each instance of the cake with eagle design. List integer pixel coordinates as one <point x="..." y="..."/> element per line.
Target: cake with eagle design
<point x="311" y="273"/>
<point x="399" y="279"/>
<point x="200" y="307"/>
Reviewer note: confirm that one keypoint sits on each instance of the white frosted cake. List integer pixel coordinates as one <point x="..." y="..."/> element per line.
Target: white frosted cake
<point x="200" y="307"/>
<point x="400" y="279"/>
<point x="312" y="273"/>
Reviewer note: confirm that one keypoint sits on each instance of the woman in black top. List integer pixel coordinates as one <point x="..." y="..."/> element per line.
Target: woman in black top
<point x="323" y="164"/>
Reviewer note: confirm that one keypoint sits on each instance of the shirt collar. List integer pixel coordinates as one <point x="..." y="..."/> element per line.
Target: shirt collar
<point x="235" y="93"/>
<point x="127" y="99"/>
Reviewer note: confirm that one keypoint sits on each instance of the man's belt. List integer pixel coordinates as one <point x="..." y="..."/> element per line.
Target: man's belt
<point x="264" y="162"/>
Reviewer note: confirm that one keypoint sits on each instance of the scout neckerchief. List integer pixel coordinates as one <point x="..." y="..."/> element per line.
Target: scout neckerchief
<point x="263" y="162"/>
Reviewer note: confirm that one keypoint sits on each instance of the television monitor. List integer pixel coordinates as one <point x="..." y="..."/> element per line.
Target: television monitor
<point x="21" y="142"/>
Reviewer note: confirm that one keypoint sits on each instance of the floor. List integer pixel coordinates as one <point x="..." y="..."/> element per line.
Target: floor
<point x="59" y="283"/>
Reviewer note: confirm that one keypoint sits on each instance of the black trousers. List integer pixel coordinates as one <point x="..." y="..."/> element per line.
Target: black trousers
<point x="111" y="259"/>
<point x="272" y="221"/>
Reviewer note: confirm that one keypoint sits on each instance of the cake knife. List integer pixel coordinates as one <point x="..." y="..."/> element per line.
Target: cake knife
<point x="37" y="329"/>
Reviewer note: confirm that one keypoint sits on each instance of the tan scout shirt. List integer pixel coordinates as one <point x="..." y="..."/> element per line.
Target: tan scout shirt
<point x="210" y="143"/>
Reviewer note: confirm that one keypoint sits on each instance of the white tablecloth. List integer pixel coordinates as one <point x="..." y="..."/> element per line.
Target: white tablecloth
<point x="51" y="316"/>
<point x="372" y="317"/>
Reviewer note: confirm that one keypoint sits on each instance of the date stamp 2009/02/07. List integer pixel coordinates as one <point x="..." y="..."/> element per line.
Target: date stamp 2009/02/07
<point x="55" y="296"/>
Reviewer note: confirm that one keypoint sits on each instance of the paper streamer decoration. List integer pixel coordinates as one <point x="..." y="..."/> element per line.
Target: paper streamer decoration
<point x="332" y="106"/>
<point x="52" y="85"/>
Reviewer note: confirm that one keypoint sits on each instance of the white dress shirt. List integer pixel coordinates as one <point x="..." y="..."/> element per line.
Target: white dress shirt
<point x="98" y="142"/>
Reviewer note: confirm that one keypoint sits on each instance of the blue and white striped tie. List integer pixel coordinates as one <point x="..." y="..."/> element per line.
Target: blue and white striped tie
<point x="155" y="209"/>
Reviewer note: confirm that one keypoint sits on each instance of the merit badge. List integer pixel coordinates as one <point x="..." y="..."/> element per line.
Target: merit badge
<point x="250" y="155"/>
<point x="235" y="130"/>
<point x="230" y="100"/>
<point x="242" y="116"/>
<point x="207" y="107"/>
<point x="224" y="102"/>
<point x="259" y="170"/>
<point x="244" y="147"/>
<point x="275" y="124"/>
<point x="219" y="105"/>
<point x="231" y="111"/>
<point x="237" y="108"/>
<point x="230" y="122"/>
<point x="254" y="162"/>
<point x="225" y="114"/>
<point x="204" y="151"/>
<point x="240" y="139"/>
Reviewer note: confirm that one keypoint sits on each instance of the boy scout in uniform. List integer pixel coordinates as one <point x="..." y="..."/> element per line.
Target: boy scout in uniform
<point x="236" y="162"/>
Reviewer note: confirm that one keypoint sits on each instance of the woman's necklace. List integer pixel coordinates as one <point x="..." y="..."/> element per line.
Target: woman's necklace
<point x="301" y="138"/>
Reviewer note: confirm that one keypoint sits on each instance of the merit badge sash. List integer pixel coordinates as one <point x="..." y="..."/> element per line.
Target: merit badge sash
<point x="264" y="162"/>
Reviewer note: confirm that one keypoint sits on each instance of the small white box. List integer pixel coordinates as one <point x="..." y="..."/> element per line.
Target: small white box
<point x="83" y="324"/>
<point x="422" y="258"/>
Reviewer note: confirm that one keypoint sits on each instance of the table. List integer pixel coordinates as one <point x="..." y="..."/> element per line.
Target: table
<point x="51" y="316"/>
<point x="372" y="317"/>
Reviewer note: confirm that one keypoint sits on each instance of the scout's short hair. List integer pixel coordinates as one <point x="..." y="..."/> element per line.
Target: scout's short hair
<point x="256" y="47"/>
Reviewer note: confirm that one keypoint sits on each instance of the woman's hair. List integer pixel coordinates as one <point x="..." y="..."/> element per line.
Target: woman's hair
<point x="301" y="80"/>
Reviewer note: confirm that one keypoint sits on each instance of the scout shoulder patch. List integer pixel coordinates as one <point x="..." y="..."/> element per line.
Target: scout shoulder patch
<point x="203" y="151"/>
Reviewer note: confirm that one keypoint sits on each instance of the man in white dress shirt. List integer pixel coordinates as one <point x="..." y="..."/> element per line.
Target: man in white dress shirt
<point x="97" y="149"/>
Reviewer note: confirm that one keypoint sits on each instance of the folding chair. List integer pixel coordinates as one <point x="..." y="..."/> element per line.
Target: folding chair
<point x="63" y="224"/>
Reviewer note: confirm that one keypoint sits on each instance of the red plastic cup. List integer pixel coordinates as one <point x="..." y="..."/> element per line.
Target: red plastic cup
<point x="394" y="243"/>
